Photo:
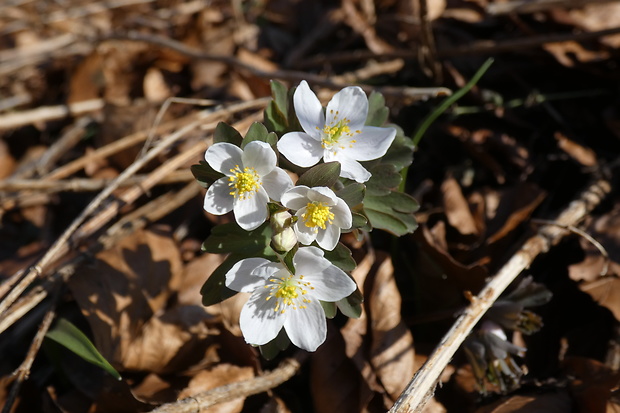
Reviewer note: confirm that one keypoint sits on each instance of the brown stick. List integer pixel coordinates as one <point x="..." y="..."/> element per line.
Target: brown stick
<point x="287" y="369"/>
<point x="422" y="386"/>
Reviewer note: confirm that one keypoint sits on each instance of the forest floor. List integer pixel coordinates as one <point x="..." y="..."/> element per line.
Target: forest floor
<point x="81" y="87"/>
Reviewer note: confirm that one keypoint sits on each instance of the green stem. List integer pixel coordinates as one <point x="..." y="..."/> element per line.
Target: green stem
<point x="449" y="101"/>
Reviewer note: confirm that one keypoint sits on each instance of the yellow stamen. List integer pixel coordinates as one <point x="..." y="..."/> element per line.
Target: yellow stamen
<point x="243" y="183"/>
<point x="317" y="215"/>
<point x="286" y="291"/>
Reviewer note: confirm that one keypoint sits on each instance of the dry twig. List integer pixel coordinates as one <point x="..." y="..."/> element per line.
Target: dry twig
<point x="422" y="386"/>
<point x="285" y="370"/>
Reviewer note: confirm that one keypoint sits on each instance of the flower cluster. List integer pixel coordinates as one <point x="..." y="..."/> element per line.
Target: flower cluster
<point x="488" y="349"/>
<point x="285" y="249"/>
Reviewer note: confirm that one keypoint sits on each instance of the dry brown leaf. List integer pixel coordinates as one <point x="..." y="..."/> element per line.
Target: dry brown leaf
<point x="220" y="375"/>
<point x="336" y="384"/>
<point x="7" y="162"/>
<point x="585" y="156"/>
<point x="87" y="81"/>
<point x="606" y="292"/>
<point x="592" y="384"/>
<point x="595" y="17"/>
<point x="457" y="208"/>
<point x="195" y="273"/>
<point x="123" y="289"/>
<point x="391" y="349"/>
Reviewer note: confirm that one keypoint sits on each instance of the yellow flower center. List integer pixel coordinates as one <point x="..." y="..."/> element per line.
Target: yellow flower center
<point x="317" y="215"/>
<point x="243" y="183"/>
<point x="335" y="129"/>
<point x="287" y="292"/>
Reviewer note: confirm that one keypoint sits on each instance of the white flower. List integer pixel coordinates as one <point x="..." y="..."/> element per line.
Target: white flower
<point x="281" y="299"/>
<point x="251" y="179"/>
<point x="320" y="215"/>
<point x="340" y="137"/>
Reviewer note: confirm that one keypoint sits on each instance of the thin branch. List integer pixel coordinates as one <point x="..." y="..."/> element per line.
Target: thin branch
<point x="285" y="370"/>
<point x="47" y="113"/>
<point x="422" y="386"/>
<point x="84" y="184"/>
<point x="23" y="371"/>
<point x="583" y="234"/>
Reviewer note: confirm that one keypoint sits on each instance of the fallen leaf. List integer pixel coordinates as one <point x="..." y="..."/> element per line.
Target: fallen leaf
<point x="592" y="384"/>
<point x="558" y="401"/>
<point x="391" y="350"/>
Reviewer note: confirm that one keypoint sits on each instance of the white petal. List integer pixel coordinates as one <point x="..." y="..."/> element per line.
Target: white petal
<point x="330" y="284"/>
<point x="342" y="215"/>
<point x="223" y="157"/>
<point x="296" y="197"/>
<point x="276" y="183"/>
<point x="258" y="321"/>
<point x="218" y="200"/>
<point x="305" y="235"/>
<point x="239" y="277"/>
<point x="268" y="269"/>
<point x="352" y="169"/>
<point x="309" y="110"/>
<point x="300" y="148"/>
<point x="259" y="156"/>
<point x="322" y="194"/>
<point x="310" y="260"/>
<point x="351" y="103"/>
<point x="328" y="238"/>
<point x="372" y="143"/>
<point x="252" y="212"/>
<point x="306" y="327"/>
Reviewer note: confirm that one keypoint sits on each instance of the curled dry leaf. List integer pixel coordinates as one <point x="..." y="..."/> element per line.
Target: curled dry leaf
<point x="457" y="209"/>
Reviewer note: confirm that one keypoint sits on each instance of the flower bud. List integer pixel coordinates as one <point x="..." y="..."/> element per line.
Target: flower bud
<point x="283" y="238"/>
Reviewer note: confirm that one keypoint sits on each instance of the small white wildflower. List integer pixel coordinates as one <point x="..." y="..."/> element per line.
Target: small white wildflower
<point x="337" y="135"/>
<point x="280" y="299"/>
<point x="321" y="215"/>
<point x="251" y="178"/>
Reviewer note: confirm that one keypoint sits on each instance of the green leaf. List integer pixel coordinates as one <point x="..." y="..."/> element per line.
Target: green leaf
<point x="231" y="238"/>
<point x="279" y="93"/>
<point x="270" y="350"/>
<point x="204" y="174"/>
<point x="325" y="174"/>
<point x="400" y="153"/>
<point x="256" y="132"/>
<point x="384" y="179"/>
<point x="393" y="212"/>
<point x="329" y="309"/>
<point x="214" y="290"/>
<point x="353" y="194"/>
<point x="359" y="220"/>
<point x="341" y="257"/>
<point x="69" y="336"/>
<point x="351" y="306"/>
<point x="377" y="111"/>
<point x="226" y="133"/>
<point x="277" y="116"/>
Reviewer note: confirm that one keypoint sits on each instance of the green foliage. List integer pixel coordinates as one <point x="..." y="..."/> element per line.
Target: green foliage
<point x="280" y="113"/>
<point x="324" y="174"/>
<point x="204" y="174"/>
<point x="214" y="290"/>
<point x="352" y="194"/>
<point x="351" y="306"/>
<point x="341" y="257"/>
<point x="392" y="213"/>
<point x="226" y="133"/>
<point x="377" y="111"/>
<point x="69" y="336"/>
<point x="231" y="238"/>
<point x="258" y="132"/>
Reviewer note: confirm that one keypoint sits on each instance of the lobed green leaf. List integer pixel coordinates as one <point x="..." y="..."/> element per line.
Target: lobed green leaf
<point x="325" y="174"/>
